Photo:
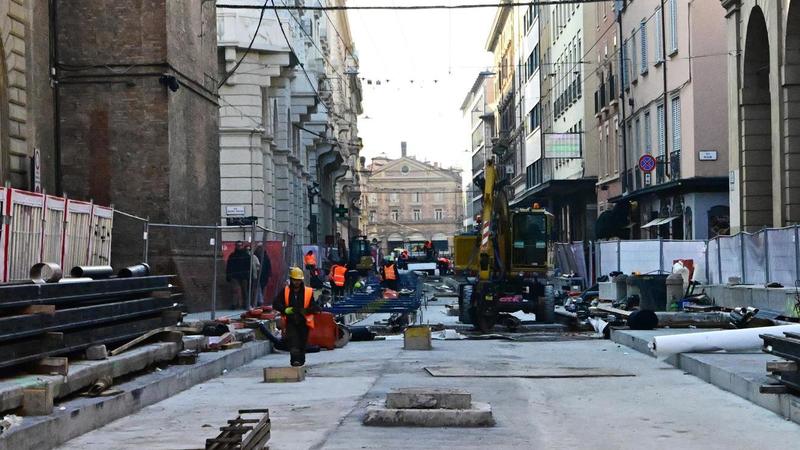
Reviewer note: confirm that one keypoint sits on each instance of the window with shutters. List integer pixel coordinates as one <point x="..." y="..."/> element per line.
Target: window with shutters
<point x="395" y="215"/>
<point x="648" y="138"/>
<point x="643" y="42"/>
<point x="676" y="124"/>
<point x="657" y="37"/>
<point x="673" y="26"/>
<point x="660" y="119"/>
<point x="634" y="57"/>
<point x="637" y="144"/>
<point x="417" y="215"/>
<point x="416" y="197"/>
<point x="438" y="214"/>
<point x="372" y="216"/>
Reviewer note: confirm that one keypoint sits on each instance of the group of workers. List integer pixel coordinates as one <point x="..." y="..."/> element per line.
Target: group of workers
<point x="297" y="304"/>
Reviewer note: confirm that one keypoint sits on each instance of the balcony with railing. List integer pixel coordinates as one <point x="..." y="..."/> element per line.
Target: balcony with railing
<point x="478" y="138"/>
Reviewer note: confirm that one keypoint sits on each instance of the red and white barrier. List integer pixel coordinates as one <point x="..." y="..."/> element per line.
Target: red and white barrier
<point x="44" y="228"/>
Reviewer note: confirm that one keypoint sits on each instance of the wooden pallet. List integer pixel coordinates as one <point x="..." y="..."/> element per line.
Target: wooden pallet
<point x="247" y="431"/>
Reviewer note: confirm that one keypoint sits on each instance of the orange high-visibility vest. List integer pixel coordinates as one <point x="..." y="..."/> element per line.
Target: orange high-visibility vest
<point x="389" y="272"/>
<point x="309" y="294"/>
<point x="310" y="260"/>
<point x="337" y="275"/>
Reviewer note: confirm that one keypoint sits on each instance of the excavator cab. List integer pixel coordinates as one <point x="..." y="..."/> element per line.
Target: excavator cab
<point x="530" y="240"/>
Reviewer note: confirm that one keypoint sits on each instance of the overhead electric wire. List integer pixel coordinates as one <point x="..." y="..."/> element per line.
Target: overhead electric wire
<point x="249" y="47"/>
<point x="420" y="7"/>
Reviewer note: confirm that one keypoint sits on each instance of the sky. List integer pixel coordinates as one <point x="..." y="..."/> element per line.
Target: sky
<point x="442" y="52"/>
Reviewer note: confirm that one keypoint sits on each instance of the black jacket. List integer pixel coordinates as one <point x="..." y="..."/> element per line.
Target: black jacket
<point x="296" y="301"/>
<point x="238" y="267"/>
<point x="266" y="269"/>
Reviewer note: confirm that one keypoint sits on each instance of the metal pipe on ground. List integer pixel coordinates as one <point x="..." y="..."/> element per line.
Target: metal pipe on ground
<point x="93" y="272"/>
<point x="46" y="272"/>
<point x="138" y="270"/>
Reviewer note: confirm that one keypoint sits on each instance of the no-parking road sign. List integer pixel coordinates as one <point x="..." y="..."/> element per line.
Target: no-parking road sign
<point x="647" y="163"/>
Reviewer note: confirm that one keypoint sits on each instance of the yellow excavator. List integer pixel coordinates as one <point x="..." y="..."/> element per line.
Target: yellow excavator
<point x="513" y="257"/>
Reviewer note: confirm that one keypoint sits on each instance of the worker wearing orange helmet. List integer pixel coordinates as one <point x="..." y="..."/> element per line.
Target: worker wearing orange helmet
<point x="296" y="304"/>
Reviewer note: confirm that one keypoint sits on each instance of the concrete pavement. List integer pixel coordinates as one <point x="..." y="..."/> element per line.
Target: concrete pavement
<point x="660" y="407"/>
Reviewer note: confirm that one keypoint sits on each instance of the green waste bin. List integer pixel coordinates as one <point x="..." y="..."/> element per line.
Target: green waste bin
<point x="652" y="291"/>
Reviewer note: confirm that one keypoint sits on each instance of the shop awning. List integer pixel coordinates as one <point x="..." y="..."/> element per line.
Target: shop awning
<point x="660" y="221"/>
<point x="652" y="223"/>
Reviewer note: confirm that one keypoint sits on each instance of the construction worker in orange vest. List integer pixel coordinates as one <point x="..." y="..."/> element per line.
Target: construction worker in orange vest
<point x="390" y="275"/>
<point x="310" y="261"/>
<point x="296" y="303"/>
<point x="338" y="278"/>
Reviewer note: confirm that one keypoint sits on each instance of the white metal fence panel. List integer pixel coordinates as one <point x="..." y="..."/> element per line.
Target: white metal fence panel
<point x="782" y="257"/>
<point x="714" y="276"/>
<point x="694" y="250"/>
<point x="103" y="220"/>
<point x="754" y="259"/>
<point x="53" y="229"/>
<point x="608" y="252"/>
<point x="26" y="220"/>
<point x="730" y="254"/>
<point x="640" y="256"/>
<point x="78" y="234"/>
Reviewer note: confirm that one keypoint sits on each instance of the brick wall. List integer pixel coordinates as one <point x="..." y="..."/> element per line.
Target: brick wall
<point x="129" y="141"/>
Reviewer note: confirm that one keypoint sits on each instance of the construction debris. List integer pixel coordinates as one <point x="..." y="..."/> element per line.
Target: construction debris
<point x="247" y="431"/>
<point x="787" y="373"/>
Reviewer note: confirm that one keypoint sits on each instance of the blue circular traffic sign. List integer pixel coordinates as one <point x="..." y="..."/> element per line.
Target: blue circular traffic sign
<point x="647" y="163"/>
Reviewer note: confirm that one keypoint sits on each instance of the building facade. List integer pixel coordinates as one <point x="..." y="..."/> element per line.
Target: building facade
<point x="479" y="120"/>
<point x="674" y="111"/>
<point x="408" y="202"/>
<point x="560" y="170"/>
<point x="603" y="117"/>
<point x="288" y="130"/>
<point x="763" y="44"/>
<point x="27" y="92"/>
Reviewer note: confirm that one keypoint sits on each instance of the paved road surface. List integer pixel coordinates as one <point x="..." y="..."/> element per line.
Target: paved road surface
<point x="659" y="408"/>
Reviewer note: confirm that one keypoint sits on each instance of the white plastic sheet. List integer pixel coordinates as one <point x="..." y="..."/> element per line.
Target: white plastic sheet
<point x="731" y="255"/>
<point x="640" y="256"/>
<point x="754" y="258"/>
<point x="781" y="251"/>
<point x="711" y="341"/>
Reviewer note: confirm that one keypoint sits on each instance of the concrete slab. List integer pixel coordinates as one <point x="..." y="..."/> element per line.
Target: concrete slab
<point x="665" y="408"/>
<point x="80" y="415"/>
<point x="427" y="398"/>
<point x="82" y="373"/>
<point x="479" y="415"/>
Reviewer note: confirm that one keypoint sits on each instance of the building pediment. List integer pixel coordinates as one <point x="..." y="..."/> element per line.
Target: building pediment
<point x="409" y="168"/>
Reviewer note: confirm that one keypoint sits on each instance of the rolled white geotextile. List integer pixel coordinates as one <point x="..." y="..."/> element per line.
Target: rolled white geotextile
<point x="728" y="340"/>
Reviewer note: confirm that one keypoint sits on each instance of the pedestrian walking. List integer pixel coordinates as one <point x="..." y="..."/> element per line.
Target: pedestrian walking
<point x="266" y="272"/>
<point x="296" y="304"/>
<point x="237" y="271"/>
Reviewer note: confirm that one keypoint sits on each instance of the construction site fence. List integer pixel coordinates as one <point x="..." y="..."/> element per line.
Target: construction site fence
<point x="771" y="255"/>
<point x="44" y="228"/>
<point x="204" y="252"/>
